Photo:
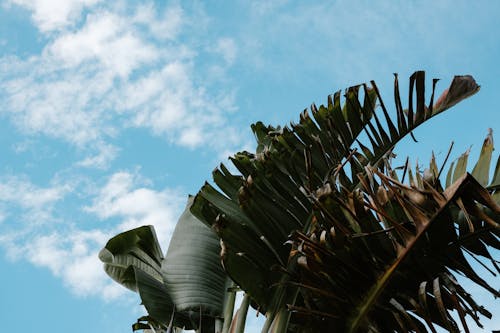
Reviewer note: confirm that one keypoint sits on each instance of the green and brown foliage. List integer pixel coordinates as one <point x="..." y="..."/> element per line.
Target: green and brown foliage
<point x="322" y="233"/>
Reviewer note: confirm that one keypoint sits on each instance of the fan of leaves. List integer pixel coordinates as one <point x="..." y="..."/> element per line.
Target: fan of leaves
<point x="381" y="258"/>
<point x="319" y="221"/>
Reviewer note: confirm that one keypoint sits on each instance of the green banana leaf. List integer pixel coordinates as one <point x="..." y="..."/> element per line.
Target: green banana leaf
<point x="192" y="270"/>
<point x="186" y="287"/>
<point x="138" y="248"/>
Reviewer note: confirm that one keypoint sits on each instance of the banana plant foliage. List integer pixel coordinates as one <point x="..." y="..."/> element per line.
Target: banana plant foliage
<point x="393" y="271"/>
<point x="184" y="289"/>
<point x="318" y="223"/>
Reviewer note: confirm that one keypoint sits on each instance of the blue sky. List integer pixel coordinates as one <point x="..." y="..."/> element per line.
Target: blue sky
<point x="112" y="112"/>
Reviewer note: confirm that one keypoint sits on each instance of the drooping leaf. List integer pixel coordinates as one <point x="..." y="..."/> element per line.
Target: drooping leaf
<point x="156" y="299"/>
<point x="138" y="247"/>
<point x="463" y="86"/>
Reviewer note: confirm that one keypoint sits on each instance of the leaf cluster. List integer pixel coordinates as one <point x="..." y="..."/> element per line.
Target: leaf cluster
<point x="322" y="233"/>
<point x="317" y="221"/>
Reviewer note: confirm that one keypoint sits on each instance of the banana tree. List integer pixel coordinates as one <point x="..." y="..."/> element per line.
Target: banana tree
<point x="321" y="232"/>
<point x="318" y="225"/>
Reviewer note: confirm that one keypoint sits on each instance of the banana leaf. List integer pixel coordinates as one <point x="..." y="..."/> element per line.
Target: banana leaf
<point x="186" y="287"/>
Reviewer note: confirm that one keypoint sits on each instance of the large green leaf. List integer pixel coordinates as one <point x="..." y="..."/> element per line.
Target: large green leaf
<point x="133" y="259"/>
<point x="139" y="248"/>
<point x="192" y="270"/>
<point x="188" y="283"/>
<point x="156" y="299"/>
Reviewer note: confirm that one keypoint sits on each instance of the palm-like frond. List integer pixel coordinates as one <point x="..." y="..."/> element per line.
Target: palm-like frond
<point x="309" y="181"/>
<point x="319" y="231"/>
<point x="395" y="264"/>
<point x="475" y="235"/>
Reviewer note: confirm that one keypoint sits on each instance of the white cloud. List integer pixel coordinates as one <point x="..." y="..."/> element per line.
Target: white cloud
<point x="164" y="26"/>
<point x="121" y="67"/>
<point x="101" y="160"/>
<point x="36" y="203"/>
<point x="39" y="101"/>
<point x="67" y="242"/>
<point x="73" y="257"/>
<point x="169" y="102"/>
<point x="227" y="48"/>
<point x="123" y="197"/>
<point x="50" y="15"/>
<point x="106" y="38"/>
<point x="22" y="192"/>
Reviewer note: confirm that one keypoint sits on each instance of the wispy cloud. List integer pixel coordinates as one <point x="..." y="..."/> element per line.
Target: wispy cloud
<point x="107" y="40"/>
<point x="116" y="68"/>
<point x="32" y="205"/>
<point x="54" y="15"/>
<point x="227" y="48"/>
<point x="352" y="42"/>
<point x="104" y="69"/>
<point x="105" y="154"/>
<point x="124" y="198"/>
<point x="67" y="242"/>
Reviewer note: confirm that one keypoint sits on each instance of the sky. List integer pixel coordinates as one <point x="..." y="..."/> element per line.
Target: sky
<point x="112" y="112"/>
